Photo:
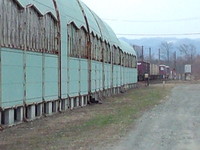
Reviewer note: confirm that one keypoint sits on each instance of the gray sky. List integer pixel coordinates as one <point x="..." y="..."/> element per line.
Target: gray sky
<point x="147" y="17"/>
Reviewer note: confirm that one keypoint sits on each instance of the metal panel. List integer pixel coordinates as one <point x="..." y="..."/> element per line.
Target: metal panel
<point x="93" y="77"/>
<point x="118" y="76"/>
<point x="108" y="76"/>
<point x="51" y="77"/>
<point x="114" y="75"/>
<point x="84" y="77"/>
<point x="64" y="58"/>
<point x="12" y="77"/>
<point x="73" y="77"/>
<point x="99" y="76"/>
<point x="33" y="77"/>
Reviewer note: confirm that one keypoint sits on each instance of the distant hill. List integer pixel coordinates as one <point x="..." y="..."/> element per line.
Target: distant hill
<point x="155" y="43"/>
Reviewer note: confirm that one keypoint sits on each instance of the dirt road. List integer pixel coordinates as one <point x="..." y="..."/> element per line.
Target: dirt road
<point x="173" y="125"/>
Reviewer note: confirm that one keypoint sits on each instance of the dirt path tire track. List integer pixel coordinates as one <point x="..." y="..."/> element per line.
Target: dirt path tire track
<point x="173" y="125"/>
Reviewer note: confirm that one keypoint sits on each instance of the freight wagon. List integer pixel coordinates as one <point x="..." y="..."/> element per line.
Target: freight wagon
<point x="154" y="71"/>
<point x="164" y="71"/>
<point x="143" y="68"/>
<point x="55" y="55"/>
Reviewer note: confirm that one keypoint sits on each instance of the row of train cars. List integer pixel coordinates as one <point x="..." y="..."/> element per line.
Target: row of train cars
<point x="152" y="71"/>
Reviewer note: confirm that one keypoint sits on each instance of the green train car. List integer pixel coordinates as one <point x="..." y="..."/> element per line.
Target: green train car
<point x="57" y="55"/>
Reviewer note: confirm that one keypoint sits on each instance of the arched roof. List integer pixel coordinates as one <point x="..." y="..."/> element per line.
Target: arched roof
<point x="127" y="48"/>
<point x="71" y="11"/>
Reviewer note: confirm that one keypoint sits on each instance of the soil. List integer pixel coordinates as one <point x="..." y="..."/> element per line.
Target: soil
<point x="172" y="125"/>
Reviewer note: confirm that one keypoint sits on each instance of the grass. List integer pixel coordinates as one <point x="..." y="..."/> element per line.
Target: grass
<point x="122" y="110"/>
<point x="90" y="126"/>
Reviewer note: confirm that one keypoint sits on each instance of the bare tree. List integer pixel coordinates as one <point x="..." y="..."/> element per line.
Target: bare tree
<point x="139" y="52"/>
<point x="165" y="48"/>
<point x="188" y="51"/>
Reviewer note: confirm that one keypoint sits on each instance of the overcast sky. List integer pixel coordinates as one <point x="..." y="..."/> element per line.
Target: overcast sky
<point x="135" y="17"/>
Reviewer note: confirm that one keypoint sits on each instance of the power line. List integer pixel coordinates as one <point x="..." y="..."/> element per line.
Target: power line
<point x="153" y="21"/>
<point x="173" y="34"/>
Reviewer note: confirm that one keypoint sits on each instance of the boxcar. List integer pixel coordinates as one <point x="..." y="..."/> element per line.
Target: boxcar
<point x="164" y="71"/>
<point x="143" y="68"/>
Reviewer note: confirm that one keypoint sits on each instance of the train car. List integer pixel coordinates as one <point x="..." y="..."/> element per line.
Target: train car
<point x="164" y="71"/>
<point x="167" y="72"/>
<point x="55" y="55"/>
<point x="154" y="72"/>
<point x="143" y="68"/>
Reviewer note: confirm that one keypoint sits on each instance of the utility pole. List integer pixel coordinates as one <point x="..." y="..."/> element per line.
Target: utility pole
<point x="142" y="53"/>
<point x="175" y="60"/>
<point x="150" y="54"/>
<point x="159" y="55"/>
<point x="168" y="61"/>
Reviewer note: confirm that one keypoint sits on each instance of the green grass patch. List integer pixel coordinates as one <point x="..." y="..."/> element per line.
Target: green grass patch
<point x="125" y="109"/>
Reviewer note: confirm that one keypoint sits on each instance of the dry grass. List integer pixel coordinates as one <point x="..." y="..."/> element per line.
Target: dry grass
<point x="85" y="127"/>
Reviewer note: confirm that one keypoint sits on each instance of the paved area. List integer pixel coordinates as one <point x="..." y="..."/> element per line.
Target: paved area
<point x="173" y="125"/>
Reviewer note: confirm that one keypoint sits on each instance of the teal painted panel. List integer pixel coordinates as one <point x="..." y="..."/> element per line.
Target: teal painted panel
<point x="133" y="75"/>
<point x="136" y="78"/>
<point x="12" y="77"/>
<point x="106" y="76"/>
<point x="127" y="76"/>
<point x="93" y="77"/>
<point x="51" y="77"/>
<point x="124" y="75"/>
<point x="84" y="77"/>
<point x="64" y="59"/>
<point x="109" y="70"/>
<point x="130" y="75"/>
<point x="97" y="76"/>
<point x="33" y="78"/>
<point x="115" y="75"/>
<point x="73" y="77"/>
<point x="64" y="82"/>
<point x="100" y="77"/>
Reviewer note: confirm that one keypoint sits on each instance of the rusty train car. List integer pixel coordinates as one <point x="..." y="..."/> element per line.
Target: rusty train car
<point x="154" y="71"/>
<point x="55" y="55"/>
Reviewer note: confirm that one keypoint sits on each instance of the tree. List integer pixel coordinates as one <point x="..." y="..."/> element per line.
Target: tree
<point x="165" y="48"/>
<point x="188" y="51"/>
